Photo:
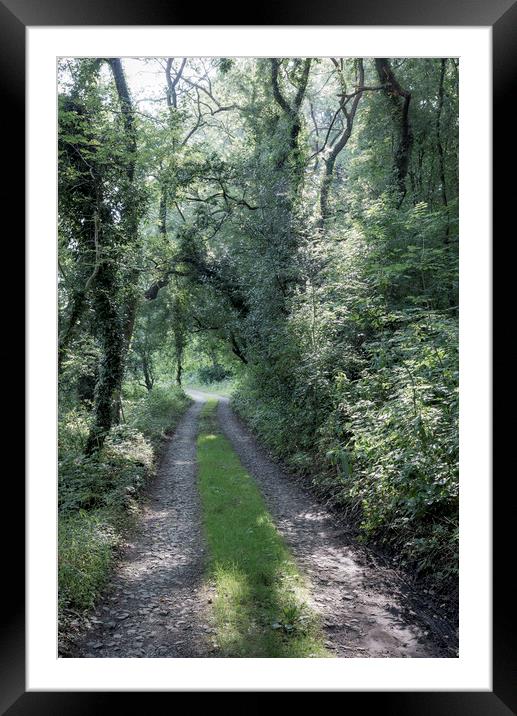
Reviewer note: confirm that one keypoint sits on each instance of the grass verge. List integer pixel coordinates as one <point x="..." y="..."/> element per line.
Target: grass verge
<point x="260" y="607"/>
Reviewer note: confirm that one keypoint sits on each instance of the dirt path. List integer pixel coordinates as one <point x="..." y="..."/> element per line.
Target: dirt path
<point x="155" y="606"/>
<point x="364" y="610"/>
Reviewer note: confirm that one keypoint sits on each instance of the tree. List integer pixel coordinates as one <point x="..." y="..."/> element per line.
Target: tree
<point x="106" y="203"/>
<point x="294" y="220"/>
<point x="349" y="115"/>
<point x="399" y="99"/>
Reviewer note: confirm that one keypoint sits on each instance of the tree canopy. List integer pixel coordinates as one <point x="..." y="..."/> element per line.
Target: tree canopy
<point x="292" y="222"/>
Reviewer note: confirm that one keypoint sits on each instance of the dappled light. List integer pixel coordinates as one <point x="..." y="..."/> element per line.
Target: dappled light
<point x="254" y="575"/>
<point x="258" y="356"/>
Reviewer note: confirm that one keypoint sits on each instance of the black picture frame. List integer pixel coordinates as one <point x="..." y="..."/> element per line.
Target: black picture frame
<point x="501" y="15"/>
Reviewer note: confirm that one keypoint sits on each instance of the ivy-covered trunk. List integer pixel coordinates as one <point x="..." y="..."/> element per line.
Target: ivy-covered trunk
<point x="115" y="296"/>
<point x="279" y="191"/>
<point x="111" y="364"/>
<point x="399" y="102"/>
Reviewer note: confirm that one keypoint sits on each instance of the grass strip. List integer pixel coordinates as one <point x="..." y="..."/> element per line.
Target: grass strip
<point x="260" y="607"/>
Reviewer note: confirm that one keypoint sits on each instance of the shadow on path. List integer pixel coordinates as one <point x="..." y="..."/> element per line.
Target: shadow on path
<point x="363" y="608"/>
<point x="154" y="605"/>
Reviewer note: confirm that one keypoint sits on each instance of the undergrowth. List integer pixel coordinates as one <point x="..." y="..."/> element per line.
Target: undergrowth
<point x="378" y="438"/>
<point x="98" y="494"/>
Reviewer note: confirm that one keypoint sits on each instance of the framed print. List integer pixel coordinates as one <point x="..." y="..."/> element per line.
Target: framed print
<point x="270" y="239"/>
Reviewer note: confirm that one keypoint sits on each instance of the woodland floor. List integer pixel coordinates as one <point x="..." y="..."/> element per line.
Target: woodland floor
<point x="158" y="602"/>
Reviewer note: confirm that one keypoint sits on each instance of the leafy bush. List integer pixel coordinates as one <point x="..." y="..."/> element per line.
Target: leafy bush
<point x="213" y="373"/>
<point x="393" y="441"/>
<point x="73" y="427"/>
<point x="361" y="394"/>
<point x="86" y="542"/>
<point x="157" y="411"/>
<point x="106" y="479"/>
<point x="98" y="493"/>
<point x="383" y="445"/>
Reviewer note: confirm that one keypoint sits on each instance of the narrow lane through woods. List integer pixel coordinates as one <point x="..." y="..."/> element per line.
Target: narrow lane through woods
<point x="158" y="604"/>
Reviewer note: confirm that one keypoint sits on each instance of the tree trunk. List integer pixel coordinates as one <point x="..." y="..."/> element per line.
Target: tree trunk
<point x="439" y="145"/>
<point x="146" y="370"/>
<point x="111" y="365"/>
<point x="179" y="370"/>
<point x="400" y="100"/>
<point x="115" y="322"/>
<point x="339" y="145"/>
<point x="162" y="215"/>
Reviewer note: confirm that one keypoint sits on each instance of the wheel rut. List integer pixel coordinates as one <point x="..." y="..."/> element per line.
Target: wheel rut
<point x="155" y="604"/>
<point x="362" y="605"/>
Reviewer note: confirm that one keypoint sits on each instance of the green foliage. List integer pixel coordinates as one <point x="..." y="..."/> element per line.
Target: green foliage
<point x="191" y="235"/>
<point x="86" y="543"/>
<point x="156" y="412"/>
<point x="393" y="441"/>
<point x="109" y="478"/>
<point x="98" y="493"/>
<point x="213" y="373"/>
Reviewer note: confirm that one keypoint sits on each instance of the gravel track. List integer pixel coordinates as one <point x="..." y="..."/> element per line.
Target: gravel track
<point x="155" y="604"/>
<point x="158" y="606"/>
<point x="364" y="607"/>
